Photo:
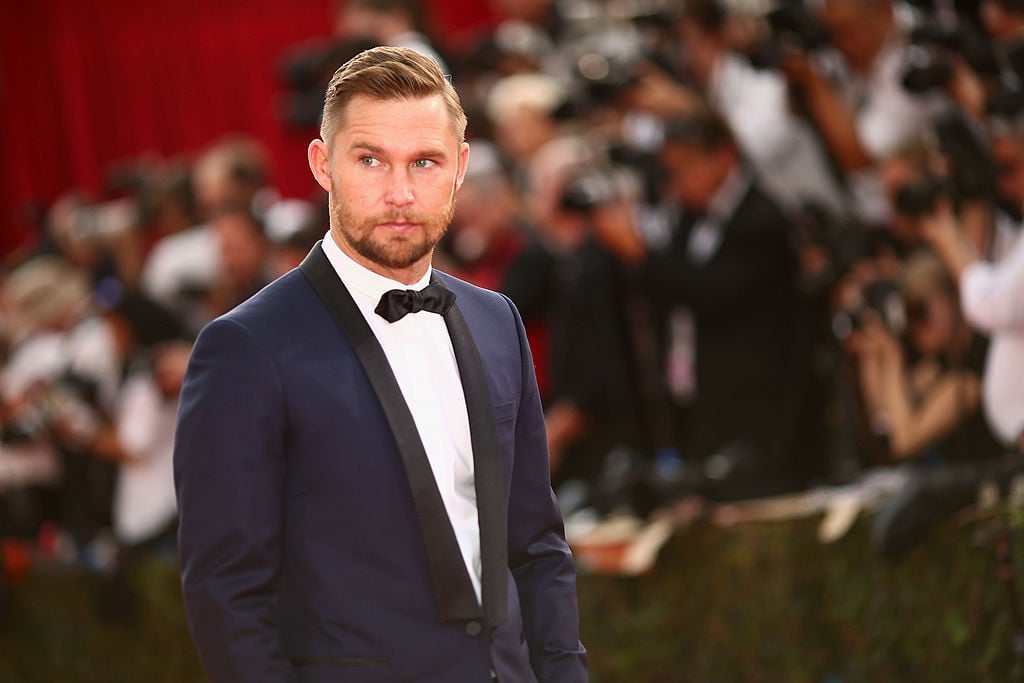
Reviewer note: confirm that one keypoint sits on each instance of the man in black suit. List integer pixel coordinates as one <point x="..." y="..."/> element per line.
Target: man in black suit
<point x="360" y="459"/>
<point x="727" y="280"/>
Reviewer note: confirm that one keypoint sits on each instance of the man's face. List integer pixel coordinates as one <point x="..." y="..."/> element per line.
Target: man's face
<point x="394" y="167"/>
<point x="695" y="174"/>
<point x="522" y="133"/>
<point x="242" y="249"/>
<point x="856" y="30"/>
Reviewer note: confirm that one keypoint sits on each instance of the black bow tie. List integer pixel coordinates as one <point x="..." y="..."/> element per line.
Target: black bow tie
<point x="396" y="303"/>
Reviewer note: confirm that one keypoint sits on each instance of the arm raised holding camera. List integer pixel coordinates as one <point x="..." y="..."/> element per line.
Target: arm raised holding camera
<point x="913" y="407"/>
<point x="991" y="294"/>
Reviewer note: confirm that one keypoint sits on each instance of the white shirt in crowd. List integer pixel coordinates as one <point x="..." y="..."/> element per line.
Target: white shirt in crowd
<point x="421" y="356"/>
<point x="185" y="259"/>
<point x="88" y="351"/>
<point x="144" y="500"/>
<point x="888" y="117"/>
<point x="992" y="296"/>
<point x="789" y="161"/>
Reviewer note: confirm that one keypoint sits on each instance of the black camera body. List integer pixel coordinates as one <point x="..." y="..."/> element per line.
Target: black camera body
<point x="934" y="47"/>
<point x="974" y="172"/>
<point x="919" y="198"/>
<point x="791" y="25"/>
<point x="882" y="299"/>
<point x="69" y="398"/>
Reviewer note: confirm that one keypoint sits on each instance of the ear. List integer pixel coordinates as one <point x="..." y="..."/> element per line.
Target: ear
<point x="463" y="164"/>
<point x="320" y="163"/>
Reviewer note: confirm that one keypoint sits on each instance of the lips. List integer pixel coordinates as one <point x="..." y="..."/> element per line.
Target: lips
<point x="398" y="226"/>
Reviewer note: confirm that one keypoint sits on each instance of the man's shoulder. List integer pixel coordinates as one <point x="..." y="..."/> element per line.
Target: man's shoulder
<point x="758" y="209"/>
<point x="485" y="310"/>
<point x="466" y="292"/>
<point x="276" y="307"/>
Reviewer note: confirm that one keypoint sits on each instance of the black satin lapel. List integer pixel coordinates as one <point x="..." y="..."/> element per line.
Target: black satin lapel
<point x="452" y="585"/>
<point x="490" y="490"/>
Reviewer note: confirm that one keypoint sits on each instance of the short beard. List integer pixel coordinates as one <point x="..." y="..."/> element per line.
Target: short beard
<point x="398" y="251"/>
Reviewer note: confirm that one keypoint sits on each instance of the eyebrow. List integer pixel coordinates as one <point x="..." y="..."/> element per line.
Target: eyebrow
<point x="427" y="153"/>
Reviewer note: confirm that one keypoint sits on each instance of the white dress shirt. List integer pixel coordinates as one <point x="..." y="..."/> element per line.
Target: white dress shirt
<point x="422" y="359"/>
<point x="790" y="163"/>
<point x="144" y="501"/>
<point x="992" y="296"/>
<point x="888" y="117"/>
<point x="188" y="258"/>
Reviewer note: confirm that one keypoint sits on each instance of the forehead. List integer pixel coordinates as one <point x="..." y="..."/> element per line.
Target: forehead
<point x="395" y="122"/>
<point x="678" y="153"/>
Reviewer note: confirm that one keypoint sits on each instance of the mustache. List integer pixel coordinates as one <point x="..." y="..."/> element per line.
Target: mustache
<point x="398" y="217"/>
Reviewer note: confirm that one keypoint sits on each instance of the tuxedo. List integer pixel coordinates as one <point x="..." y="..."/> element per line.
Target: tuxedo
<point x="314" y="543"/>
<point x="736" y="273"/>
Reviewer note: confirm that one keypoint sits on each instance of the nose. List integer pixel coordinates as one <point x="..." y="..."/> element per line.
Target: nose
<point x="399" y="189"/>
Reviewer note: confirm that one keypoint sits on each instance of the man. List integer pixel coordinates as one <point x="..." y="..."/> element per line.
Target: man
<point x="780" y="145"/>
<point x="863" y="113"/>
<point x="727" y="280"/>
<point x="364" y="495"/>
<point x="990" y="295"/>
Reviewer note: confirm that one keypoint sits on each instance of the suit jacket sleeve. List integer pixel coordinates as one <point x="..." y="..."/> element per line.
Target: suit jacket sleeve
<point x="229" y="469"/>
<point x="539" y="556"/>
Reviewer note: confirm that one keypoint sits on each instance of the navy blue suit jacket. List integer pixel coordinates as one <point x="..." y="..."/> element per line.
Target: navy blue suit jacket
<point x="303" y="555"/>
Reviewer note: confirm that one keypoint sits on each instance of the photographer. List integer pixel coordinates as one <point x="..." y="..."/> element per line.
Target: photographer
<point x="599" y="329"/>
<point x="922" y="402"/>
<point x="58" y="386"/>
<point x="993" y="302"/>
<point x="727" y="279"/>
<point x="182" y="267"/>
<point x="863" y="111"/>
<point x="755" y="102"/>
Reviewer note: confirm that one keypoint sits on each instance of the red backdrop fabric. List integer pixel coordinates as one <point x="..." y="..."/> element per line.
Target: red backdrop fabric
<point x="84" y="84"/>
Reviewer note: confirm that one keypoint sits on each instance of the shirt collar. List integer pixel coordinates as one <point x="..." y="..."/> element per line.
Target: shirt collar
<point x="729" y="194"/>
<point x="359" y="278"/>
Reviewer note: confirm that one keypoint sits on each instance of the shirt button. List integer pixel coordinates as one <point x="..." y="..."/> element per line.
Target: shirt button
<point x="473" y="629"/>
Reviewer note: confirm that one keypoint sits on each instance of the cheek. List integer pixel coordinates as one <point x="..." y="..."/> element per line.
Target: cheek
<point x="692" y="184"/>
<point x="924" y="337"/>
<point x="356" y="191"/>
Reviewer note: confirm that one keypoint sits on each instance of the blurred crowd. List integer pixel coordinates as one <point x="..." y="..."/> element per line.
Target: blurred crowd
<point x="757" y="246"/>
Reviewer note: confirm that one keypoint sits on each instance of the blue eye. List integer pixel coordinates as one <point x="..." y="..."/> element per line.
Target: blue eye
<point x="424" y="163"/>
<point x="369" y="162"/>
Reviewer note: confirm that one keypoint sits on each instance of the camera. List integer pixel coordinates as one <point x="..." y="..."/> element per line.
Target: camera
<point x="305" y="72"/>
<point x="881" y="298"/>
<point x="919" y="198"/>
<point x="929" y="61"/>
<point x="790" y="25"/>
<point x="973" y="170"/>
<point x="69" y="401"/>
<point x="593" y="187"/>
<point x="138" y="192"/>
<point x="612" y="42"/>
<point x="103" y="221"/>
<point x="937" y="39"/>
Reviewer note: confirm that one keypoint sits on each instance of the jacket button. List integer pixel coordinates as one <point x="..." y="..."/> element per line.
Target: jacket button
<point x="473" y="629"/>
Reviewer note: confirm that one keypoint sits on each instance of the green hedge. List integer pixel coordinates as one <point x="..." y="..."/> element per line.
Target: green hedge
<point x="768" y="602"/>
<point x="758" y="602"/>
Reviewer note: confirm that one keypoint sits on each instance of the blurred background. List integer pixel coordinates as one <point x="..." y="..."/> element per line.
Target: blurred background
<point x="766" y="252"/>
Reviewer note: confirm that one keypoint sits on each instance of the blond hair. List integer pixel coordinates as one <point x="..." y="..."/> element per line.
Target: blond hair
<point x="388" y="73"/>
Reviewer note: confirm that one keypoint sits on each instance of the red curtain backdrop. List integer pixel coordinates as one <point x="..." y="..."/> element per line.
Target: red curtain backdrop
<point x="84" y="84"/>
